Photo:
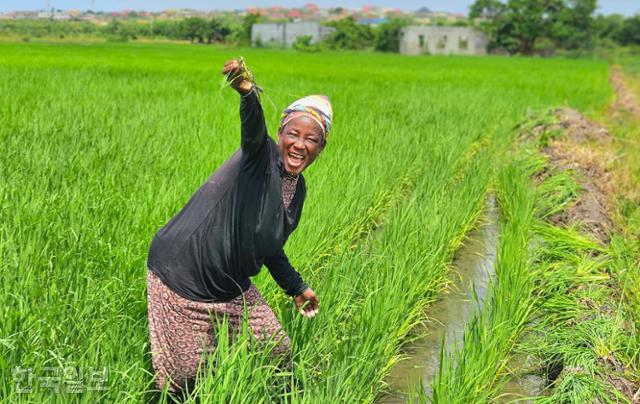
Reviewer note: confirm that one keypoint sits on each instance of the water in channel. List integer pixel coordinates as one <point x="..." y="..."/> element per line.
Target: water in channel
<point x="473" y="268"/>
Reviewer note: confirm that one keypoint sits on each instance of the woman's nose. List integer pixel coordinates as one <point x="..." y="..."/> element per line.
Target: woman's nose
<point x="299" y="143"/>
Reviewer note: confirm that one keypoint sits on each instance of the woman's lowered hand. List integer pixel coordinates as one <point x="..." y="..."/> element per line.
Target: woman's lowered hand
<point x="235" y="75"/>
<point x="307" y="303"/>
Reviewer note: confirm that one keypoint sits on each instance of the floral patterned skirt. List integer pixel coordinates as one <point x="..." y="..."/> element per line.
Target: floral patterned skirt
<point x="180" y="328"/>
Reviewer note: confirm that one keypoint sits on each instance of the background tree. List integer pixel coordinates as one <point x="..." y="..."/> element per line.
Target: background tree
<point x="491" y="17"/>
<point x="518" y="25"/>
<point x="217" y="30"/>
<point x="387" y="35"/>
<point x="303" y="44"/>
<point x="630" y="32"/>
<point x="574" y="27"/>
<point x="247" y="23"/>
<point x="166" y="28"/>
<point x="349" y="34"/>
<point x="529" y="21"/>
<point x="194" y="28"/>
<point x="607" y="29"/>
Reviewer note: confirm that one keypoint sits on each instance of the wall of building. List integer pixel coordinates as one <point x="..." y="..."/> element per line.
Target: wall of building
<point x="416" y="40"/>
<point x="285" y="34"/>
<point x="267" y="34"/>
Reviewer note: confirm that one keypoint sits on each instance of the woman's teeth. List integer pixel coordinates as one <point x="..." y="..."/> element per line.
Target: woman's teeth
<point x="295" y="157"/>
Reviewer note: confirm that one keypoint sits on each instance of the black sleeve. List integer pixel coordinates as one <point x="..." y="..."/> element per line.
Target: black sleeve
<point x="284" y="274"/>
<point x="254" y="129"/>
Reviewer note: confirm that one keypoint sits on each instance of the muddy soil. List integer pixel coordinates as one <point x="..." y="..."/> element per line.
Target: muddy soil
<point x="585" y="149"/>
<point x="582" y="149"/>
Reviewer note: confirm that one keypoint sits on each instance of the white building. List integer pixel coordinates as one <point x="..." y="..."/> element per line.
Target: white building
<point x="417" y="40"/>
<point x="285" y="34"/>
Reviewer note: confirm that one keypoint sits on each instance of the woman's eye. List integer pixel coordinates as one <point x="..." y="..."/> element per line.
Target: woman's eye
<point x="313" y="140"/>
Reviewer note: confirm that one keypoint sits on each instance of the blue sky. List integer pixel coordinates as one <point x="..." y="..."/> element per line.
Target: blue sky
<point x="627" y="7"/>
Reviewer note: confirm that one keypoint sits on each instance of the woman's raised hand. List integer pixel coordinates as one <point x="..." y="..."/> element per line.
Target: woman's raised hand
<point x="234" y="71"/>
<point x="307" y="303"/>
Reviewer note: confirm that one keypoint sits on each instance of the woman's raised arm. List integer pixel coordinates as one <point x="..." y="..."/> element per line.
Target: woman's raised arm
<point x="253" y="126"/>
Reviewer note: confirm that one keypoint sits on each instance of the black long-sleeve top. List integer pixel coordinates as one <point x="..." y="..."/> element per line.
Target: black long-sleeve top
<point x="234" y="223"/>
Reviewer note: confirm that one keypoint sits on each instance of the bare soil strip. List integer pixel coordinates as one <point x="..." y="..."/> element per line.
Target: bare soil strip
<point x="583" y="150"/>
<point x="625" y="98"/>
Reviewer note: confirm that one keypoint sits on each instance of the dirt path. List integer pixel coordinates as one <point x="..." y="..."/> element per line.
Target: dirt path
<point x="587" y="149"/>
<point x="582" y="150"/>
<point x="626" y="100"/>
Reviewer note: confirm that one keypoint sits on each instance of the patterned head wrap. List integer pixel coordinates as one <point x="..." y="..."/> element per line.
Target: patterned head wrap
<point x="316" y="107"/>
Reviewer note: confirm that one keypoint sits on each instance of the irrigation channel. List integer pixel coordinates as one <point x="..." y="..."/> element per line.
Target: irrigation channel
<point x="473" y="269"/>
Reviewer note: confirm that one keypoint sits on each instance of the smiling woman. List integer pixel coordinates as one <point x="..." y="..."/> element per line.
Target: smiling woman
<point x="303" y="132"/>
<point x="201" y="261"/>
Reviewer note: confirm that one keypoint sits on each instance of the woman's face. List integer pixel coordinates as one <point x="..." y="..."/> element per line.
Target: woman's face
<point x="300" y="142"/>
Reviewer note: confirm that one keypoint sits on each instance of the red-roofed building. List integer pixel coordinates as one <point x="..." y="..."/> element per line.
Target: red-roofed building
<point x="392" y="11"/>
<point x="311" y="7"/>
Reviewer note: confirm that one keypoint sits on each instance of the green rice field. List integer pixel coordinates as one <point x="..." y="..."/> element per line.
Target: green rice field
<point x="103" y="143"/>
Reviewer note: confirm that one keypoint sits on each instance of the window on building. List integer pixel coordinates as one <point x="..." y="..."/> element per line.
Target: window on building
<point x="442" y="42"/>
<point x="463" y="43"/>
<point x="421" y="40"/>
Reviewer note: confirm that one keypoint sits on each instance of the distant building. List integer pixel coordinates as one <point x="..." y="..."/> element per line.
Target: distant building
<point x="311" y="7"/>
<point x="295" y="14"/>
<point x="61" y="15"/>
<point x="45" y="13"/>
<point x="423" y="11"/>
<point x="24" y="15"/>
<point x="285" y="33"/>
<point x="416" y="40"/>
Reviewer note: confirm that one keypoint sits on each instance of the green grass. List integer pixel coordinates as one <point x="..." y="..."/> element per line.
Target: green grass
<point x="103" y="143"/>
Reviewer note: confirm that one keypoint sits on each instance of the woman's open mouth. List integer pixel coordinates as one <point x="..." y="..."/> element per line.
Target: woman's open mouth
<point x="295" y="160"/>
